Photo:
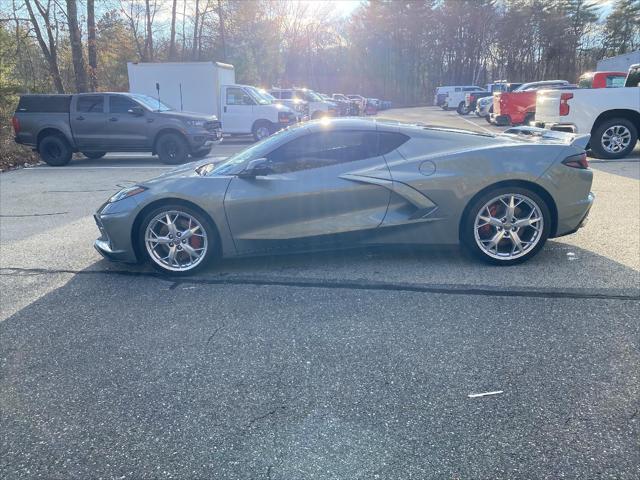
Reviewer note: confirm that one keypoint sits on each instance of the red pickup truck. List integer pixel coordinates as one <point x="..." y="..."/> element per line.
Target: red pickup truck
<point x="519" y="106"/>
<point x="602" y="79"/>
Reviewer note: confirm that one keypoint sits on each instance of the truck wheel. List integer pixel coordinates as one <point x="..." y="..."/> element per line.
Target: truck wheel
<point x="614" y="138"/>
<point x="462" y="110"/>
<point x="445" y="107"/>
<point x="529" y="117"/>
<point x="261" y="130"/>
<point x="172" y="148"/>
<point x="203" y="152"/>
<point x="55" y="150"/>
<point x="94" y="155"/>
<point x="488" y="116"/>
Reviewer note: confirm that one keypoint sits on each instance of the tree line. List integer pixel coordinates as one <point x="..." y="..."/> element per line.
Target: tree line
<point x="392" y="49"/>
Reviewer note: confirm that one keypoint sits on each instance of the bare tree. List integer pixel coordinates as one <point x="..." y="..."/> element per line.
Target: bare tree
<point x="149" y="21"/>
<point x="50" y="47"/>
<point x="92" y="46"/>
<point x="172" y="39"/>
<point x="222" y="39"/>
<point x="76" y="47"/>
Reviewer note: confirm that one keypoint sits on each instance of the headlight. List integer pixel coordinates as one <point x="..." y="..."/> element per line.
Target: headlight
<point x="195" y="123"/>
<point x="127" y="192"/>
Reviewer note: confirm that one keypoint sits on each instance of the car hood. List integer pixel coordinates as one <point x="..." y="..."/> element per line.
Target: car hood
<point x="187" y="170"/>
<point x="187" y="115"/>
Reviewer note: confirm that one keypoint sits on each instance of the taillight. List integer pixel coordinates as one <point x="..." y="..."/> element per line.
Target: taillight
<point x="564" y="106"/>
<point x="577" y="161"/>
<point x="16" y="125"/>
<point x="283" y="117"/>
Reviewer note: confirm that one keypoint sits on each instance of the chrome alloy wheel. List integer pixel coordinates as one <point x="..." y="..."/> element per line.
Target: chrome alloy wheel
<point x="509" y="226"/>
<point x="176" y="241"/>
<point x="616" y="138"/>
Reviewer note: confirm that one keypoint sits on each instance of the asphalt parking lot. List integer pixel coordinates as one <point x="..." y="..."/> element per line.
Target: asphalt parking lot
<point x="356" y="364"/>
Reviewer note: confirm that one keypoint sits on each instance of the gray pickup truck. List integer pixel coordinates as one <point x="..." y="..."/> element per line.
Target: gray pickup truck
<point x="97" y="123"/>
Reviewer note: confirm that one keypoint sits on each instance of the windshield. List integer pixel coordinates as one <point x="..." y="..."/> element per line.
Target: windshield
<point x="151" y="103"/>
<point x="267" y="95"/>
<point x="310" y="96"/>
<point x="257" y="150"/>
<point x="258" y="97"/>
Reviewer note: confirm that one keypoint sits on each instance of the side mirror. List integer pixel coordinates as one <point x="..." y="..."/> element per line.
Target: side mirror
<point x="136" y="111"/>
<point x="259" y="167"/>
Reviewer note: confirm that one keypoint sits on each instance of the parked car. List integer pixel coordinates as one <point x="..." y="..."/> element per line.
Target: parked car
<point x="519" y="106"/>
<point x="96" y="123"/>
<point x="484" y="105"/>
<point x="210" y="88"/>
<point x="602" y="79"/>
<point x="455" y="97"/>
<point x="332" y="183"/>
<point x="372" y="106"/>
<point x="610" y="115"/>
<point x="343" y="107"/>
<point x="360" y="101"/>
<point x="353" y="110"/>
<point x="300" y="107"/>
<point x="317" y="106"/>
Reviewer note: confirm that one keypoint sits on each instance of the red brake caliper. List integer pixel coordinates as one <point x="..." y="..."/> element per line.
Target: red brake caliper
<point x="486" y="229"/>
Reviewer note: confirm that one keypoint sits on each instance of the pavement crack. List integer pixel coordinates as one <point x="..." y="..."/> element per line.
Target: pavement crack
<point x="34" y="215"/>
<point x="265" y="415"/>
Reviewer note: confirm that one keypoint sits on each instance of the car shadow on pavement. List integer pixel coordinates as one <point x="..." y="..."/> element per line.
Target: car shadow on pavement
<point x="121" y="373"/>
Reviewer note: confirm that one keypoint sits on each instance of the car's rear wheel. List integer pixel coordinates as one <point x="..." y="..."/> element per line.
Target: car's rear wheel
<point x="614" y="138"/>
<point x="178" y="240"/>
<point x="462" y="109"/>
<point x="94" y="155"/>
<point x="55" y="150"/>
<point x="261" y="130"/>
<point x="172" y="148"/>
<point x="506" y="226"/>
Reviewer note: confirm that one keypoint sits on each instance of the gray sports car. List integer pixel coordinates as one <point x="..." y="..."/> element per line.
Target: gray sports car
<point x="340" y="182"/>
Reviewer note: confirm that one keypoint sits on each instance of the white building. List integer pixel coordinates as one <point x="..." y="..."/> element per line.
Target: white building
<point x="619" y="63"/>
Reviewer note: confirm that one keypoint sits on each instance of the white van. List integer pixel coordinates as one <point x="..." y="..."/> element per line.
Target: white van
<point x="210" y="88"/>
<point x="455" y="98"/>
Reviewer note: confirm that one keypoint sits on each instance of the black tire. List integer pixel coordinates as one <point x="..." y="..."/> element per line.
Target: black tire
<point x="462" y="110"/>
<point x="488" y="117"/>
<point x="210" y="254"/>
<point x="55" y="150"/>
<point x="467" y="226"/>
<point x="260" y="128"/>
<point x="172" y="148"/>
<point x="529" y="117"/>
<point x="94" y="155"/>
<point x="445" y="107"/>
<point x="203" y="152"/>
<point x="599" y="131"/>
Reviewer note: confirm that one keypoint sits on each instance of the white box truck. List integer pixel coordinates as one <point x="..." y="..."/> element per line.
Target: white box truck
<point x="210" y="88"/>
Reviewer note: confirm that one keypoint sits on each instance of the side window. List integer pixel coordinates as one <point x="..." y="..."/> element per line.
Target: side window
<point x="324" y="149"/>
<point x="615" y="81"/>
<point x="90" y="104"/>
<point x="285" y="95"/>
<point x="120" y="104"/>
<point x="237" y="96"/>
<point x="389" y="141"/>
<point x="458" y="89"/>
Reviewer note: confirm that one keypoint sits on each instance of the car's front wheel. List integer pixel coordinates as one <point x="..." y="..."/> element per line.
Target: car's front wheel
<point x="177" y="239"/>
<point x="462" y="109"/>
<point x="203" y="152"/>
<point x="506" y="226"/>
<point x="172" y="148"/>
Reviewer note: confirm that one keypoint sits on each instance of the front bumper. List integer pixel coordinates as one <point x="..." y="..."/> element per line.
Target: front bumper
<point x="114" y="242"/>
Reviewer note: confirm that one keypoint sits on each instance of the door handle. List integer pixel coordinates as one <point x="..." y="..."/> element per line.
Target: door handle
<point x="225" y="109"/>
<point x="80" y="118"/>
<point x="113" y="119"/>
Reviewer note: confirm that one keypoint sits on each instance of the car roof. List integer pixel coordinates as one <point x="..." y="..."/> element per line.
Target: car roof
<point x="543" y="82"/>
